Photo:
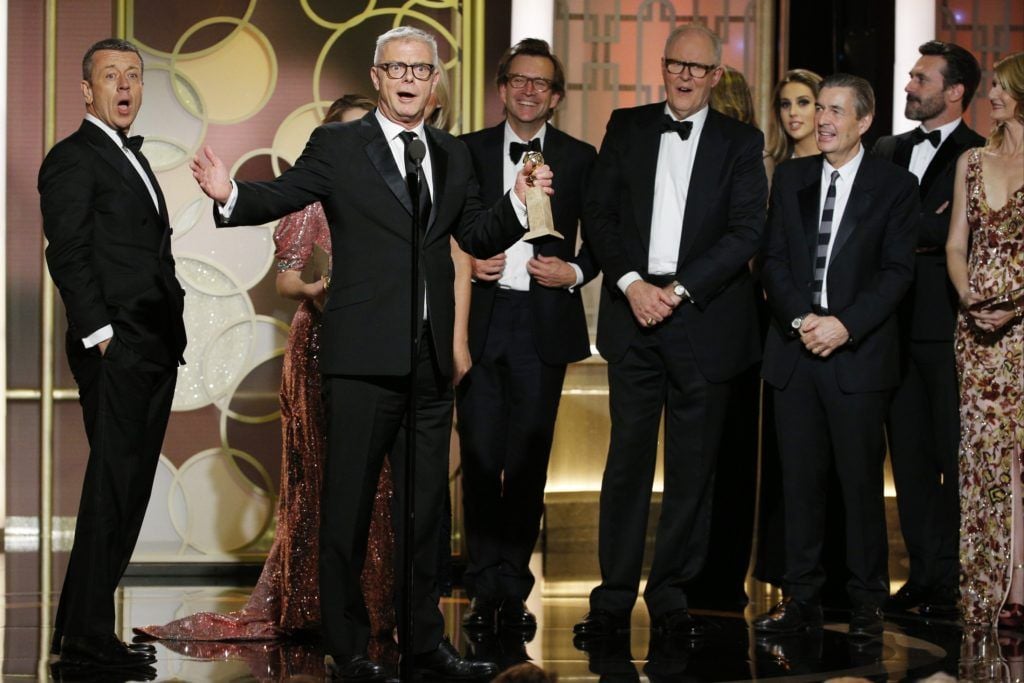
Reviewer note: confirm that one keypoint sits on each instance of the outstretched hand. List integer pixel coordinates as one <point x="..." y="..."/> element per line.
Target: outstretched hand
<point x="211" y="174"/>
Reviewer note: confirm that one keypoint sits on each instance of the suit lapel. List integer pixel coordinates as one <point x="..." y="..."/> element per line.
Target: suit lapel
<point x="115" y="156"/>
<point x="379" y="152"/>
<point x="645" y="141"/>
<point x="904" y="148"/>
<point x="554" y="152"/>
<point x="439" y="168"/>
<point x="947" y="154"/>
<point x="707" y="167"/>
<point x="856" y="206"/>
<point x="809" y="199"/>
<point x="494" y="152"/>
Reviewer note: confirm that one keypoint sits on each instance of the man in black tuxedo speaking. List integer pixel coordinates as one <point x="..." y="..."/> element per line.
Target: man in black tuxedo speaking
<point x="675" y="211"/>
<point x="839" y="258"/>
<point x="356" y="171"/>
<point x="526" y="323"/>
<point x="109" y="253"/>
<point x="924" y="419"/>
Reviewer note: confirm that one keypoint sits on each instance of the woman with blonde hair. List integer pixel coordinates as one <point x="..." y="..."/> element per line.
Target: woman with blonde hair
<point x="985" y="259"/>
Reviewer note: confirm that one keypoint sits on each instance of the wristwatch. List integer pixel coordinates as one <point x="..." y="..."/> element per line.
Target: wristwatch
<point x="680" y="291"/>
<point x="797" y="323"/>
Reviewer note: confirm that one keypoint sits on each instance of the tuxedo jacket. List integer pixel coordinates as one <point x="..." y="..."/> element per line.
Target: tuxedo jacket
<point x="109" y="247"/>
<point x="928" y="312"/>
<point x="559" y="322"/>
<point x="722" y="228"/>
<point x="869" y="271"/>
<point x="350" y="170"/>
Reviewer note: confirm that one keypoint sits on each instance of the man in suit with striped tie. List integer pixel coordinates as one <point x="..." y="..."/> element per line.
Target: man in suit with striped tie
<point x="840" y="256"/>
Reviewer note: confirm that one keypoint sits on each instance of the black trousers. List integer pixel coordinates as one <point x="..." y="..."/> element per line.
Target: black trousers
<point x="818" y="425"/>
<point x="365" y="418"/>
<point x="506" y="417"/>
<point x="126" y="402"/>
<point x="658" y="373"/>
<point x="924" y="442"/>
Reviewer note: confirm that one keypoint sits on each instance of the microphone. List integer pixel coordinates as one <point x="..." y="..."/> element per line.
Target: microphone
<point x="415" y="151"/>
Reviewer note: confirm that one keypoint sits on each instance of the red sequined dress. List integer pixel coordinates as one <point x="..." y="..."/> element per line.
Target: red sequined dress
<point x="286" y="599"/>
<point x="990" y="366"/>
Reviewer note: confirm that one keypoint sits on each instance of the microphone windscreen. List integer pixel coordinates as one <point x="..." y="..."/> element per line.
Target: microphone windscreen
<point x="416" y="151"/>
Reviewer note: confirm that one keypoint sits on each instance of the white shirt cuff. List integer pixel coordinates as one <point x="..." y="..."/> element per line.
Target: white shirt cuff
<point x="518" y="207"/>
<point x="626" y="280"/>
<point x="227" y="207"/>
<point x="103" y="334"/>
<point x="579" y="277"/>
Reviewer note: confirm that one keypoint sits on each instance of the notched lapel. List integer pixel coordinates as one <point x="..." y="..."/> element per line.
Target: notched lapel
<point x="439" y="167"/>
<point x="379" y="153"/>
<point x="856" y="206"/>
<point x="707" y="168"/>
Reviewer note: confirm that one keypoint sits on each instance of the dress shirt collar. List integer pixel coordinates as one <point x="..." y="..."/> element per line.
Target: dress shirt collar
<point x="847" y="171"/>
<point x="392" y="129"/>
<point x="511" y="136"/>
<point x="111" y="133"/>
<point x="697" y="119"/>
<point x="944" y="130"/>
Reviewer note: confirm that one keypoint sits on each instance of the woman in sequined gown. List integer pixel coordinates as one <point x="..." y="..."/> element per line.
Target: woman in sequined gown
<point x="286" y="599"/>
<point x="985" y="257"/>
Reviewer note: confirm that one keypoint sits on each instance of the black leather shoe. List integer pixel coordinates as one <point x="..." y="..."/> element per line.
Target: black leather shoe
<point x="679" y="622"/>
<point x="866" y="622"/>
<point x="909" y="596"/>
<point x="101" y="651"/>
<point x="357" y="668"/>
<point x="514" y="615"/>
<point x="789" y="616"/>
<point x="137" y="646"/>
<point x="599" y="623"/>
<point x="943" y="603"/>
<point x="67" y="673"/>
<point x="446" y="664"/>
<point x="480" y="616"/>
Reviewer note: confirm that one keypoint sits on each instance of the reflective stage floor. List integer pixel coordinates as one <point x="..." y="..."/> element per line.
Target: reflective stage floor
<point x="911" y="649"/>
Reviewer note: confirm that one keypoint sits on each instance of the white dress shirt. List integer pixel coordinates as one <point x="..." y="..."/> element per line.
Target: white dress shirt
<point x="107" y="331"/>
<point x="844" y="185"/>
<point x="924" y="151"/>
<point x="671" y="185"/>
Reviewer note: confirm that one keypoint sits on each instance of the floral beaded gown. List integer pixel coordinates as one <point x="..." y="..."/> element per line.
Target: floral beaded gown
<point x="286" y="599"/>
<point x="990" y="366"/>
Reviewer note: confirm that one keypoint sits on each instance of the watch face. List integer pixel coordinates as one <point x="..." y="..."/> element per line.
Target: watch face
<point x="679" y="290"/>
<point x="797" y="322"/>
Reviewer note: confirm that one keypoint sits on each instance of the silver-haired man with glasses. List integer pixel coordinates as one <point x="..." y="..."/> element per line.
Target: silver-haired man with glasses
<point x="675" y="210"/>
<point x="357" y="171"/>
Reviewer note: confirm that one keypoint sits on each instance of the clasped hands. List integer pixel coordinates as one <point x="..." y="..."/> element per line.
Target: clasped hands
<point x="652" y="304"/>
<point x="823" y="334"/>
<point x="989" y="318"/>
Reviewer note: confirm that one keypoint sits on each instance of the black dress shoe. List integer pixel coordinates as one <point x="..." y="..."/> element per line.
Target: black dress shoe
<point x="446" y="664"/>
<point x="137" y="646"/>
<point x="357" y="668"/>
<point x="943" y="603"/>
<point x="101" y="651"/>
<point x="480" y="616"/>
<point x="68" y="673"/>
<point x="909" y="596"/>
<point x="599" y="623"/>
<point x="679" y="622"/>
<point x="514" y="615"/>
<point x="789" y="616"/>
<point x="866" y="622"/>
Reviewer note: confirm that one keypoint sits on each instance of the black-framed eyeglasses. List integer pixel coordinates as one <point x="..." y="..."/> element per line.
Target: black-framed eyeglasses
<point x="519" y="81"/>
<point x="675" y="67"/>
<point x="396" y="70"/>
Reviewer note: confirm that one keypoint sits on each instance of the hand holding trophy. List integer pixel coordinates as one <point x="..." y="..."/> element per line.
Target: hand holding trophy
<point x="538" y="206"/>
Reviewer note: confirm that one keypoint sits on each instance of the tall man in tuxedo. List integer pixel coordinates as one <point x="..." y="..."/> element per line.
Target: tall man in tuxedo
<point x="526" y="323"/>
<point x="841" y="232"/>
<point x="676" y="210"/>
<point x="355" y="170"/>
<point x="109" y="254"/>
<point x="924" y="419"/>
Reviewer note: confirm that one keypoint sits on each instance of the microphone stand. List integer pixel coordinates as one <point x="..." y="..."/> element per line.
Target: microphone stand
<point x="415" y="151"/>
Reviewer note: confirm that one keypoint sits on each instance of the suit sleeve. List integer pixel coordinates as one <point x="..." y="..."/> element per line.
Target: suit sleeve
<point x="876" y="302"/>
<point x="705" y="275"/>
<point x="785" y="298"/>
<point x="67" y="196"/>
<point x="482" y="231"/>
<point x="309" y="180"/>
<point x="601" y="210"/>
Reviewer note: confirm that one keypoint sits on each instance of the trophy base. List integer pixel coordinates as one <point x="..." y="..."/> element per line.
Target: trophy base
<point x="542" y="235"/>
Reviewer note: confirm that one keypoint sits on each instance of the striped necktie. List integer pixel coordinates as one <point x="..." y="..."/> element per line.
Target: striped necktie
<point x="824" y="235"/>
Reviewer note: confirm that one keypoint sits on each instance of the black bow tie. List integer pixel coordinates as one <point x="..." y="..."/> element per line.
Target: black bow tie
<point x="670" y="125"/>
<point x="918" y="136"/>
<point x="516" y="150"/>
<point x="134" y="143"/>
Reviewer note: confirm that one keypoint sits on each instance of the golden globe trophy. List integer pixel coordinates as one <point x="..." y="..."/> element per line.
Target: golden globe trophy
<point x="538" y="207"/>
